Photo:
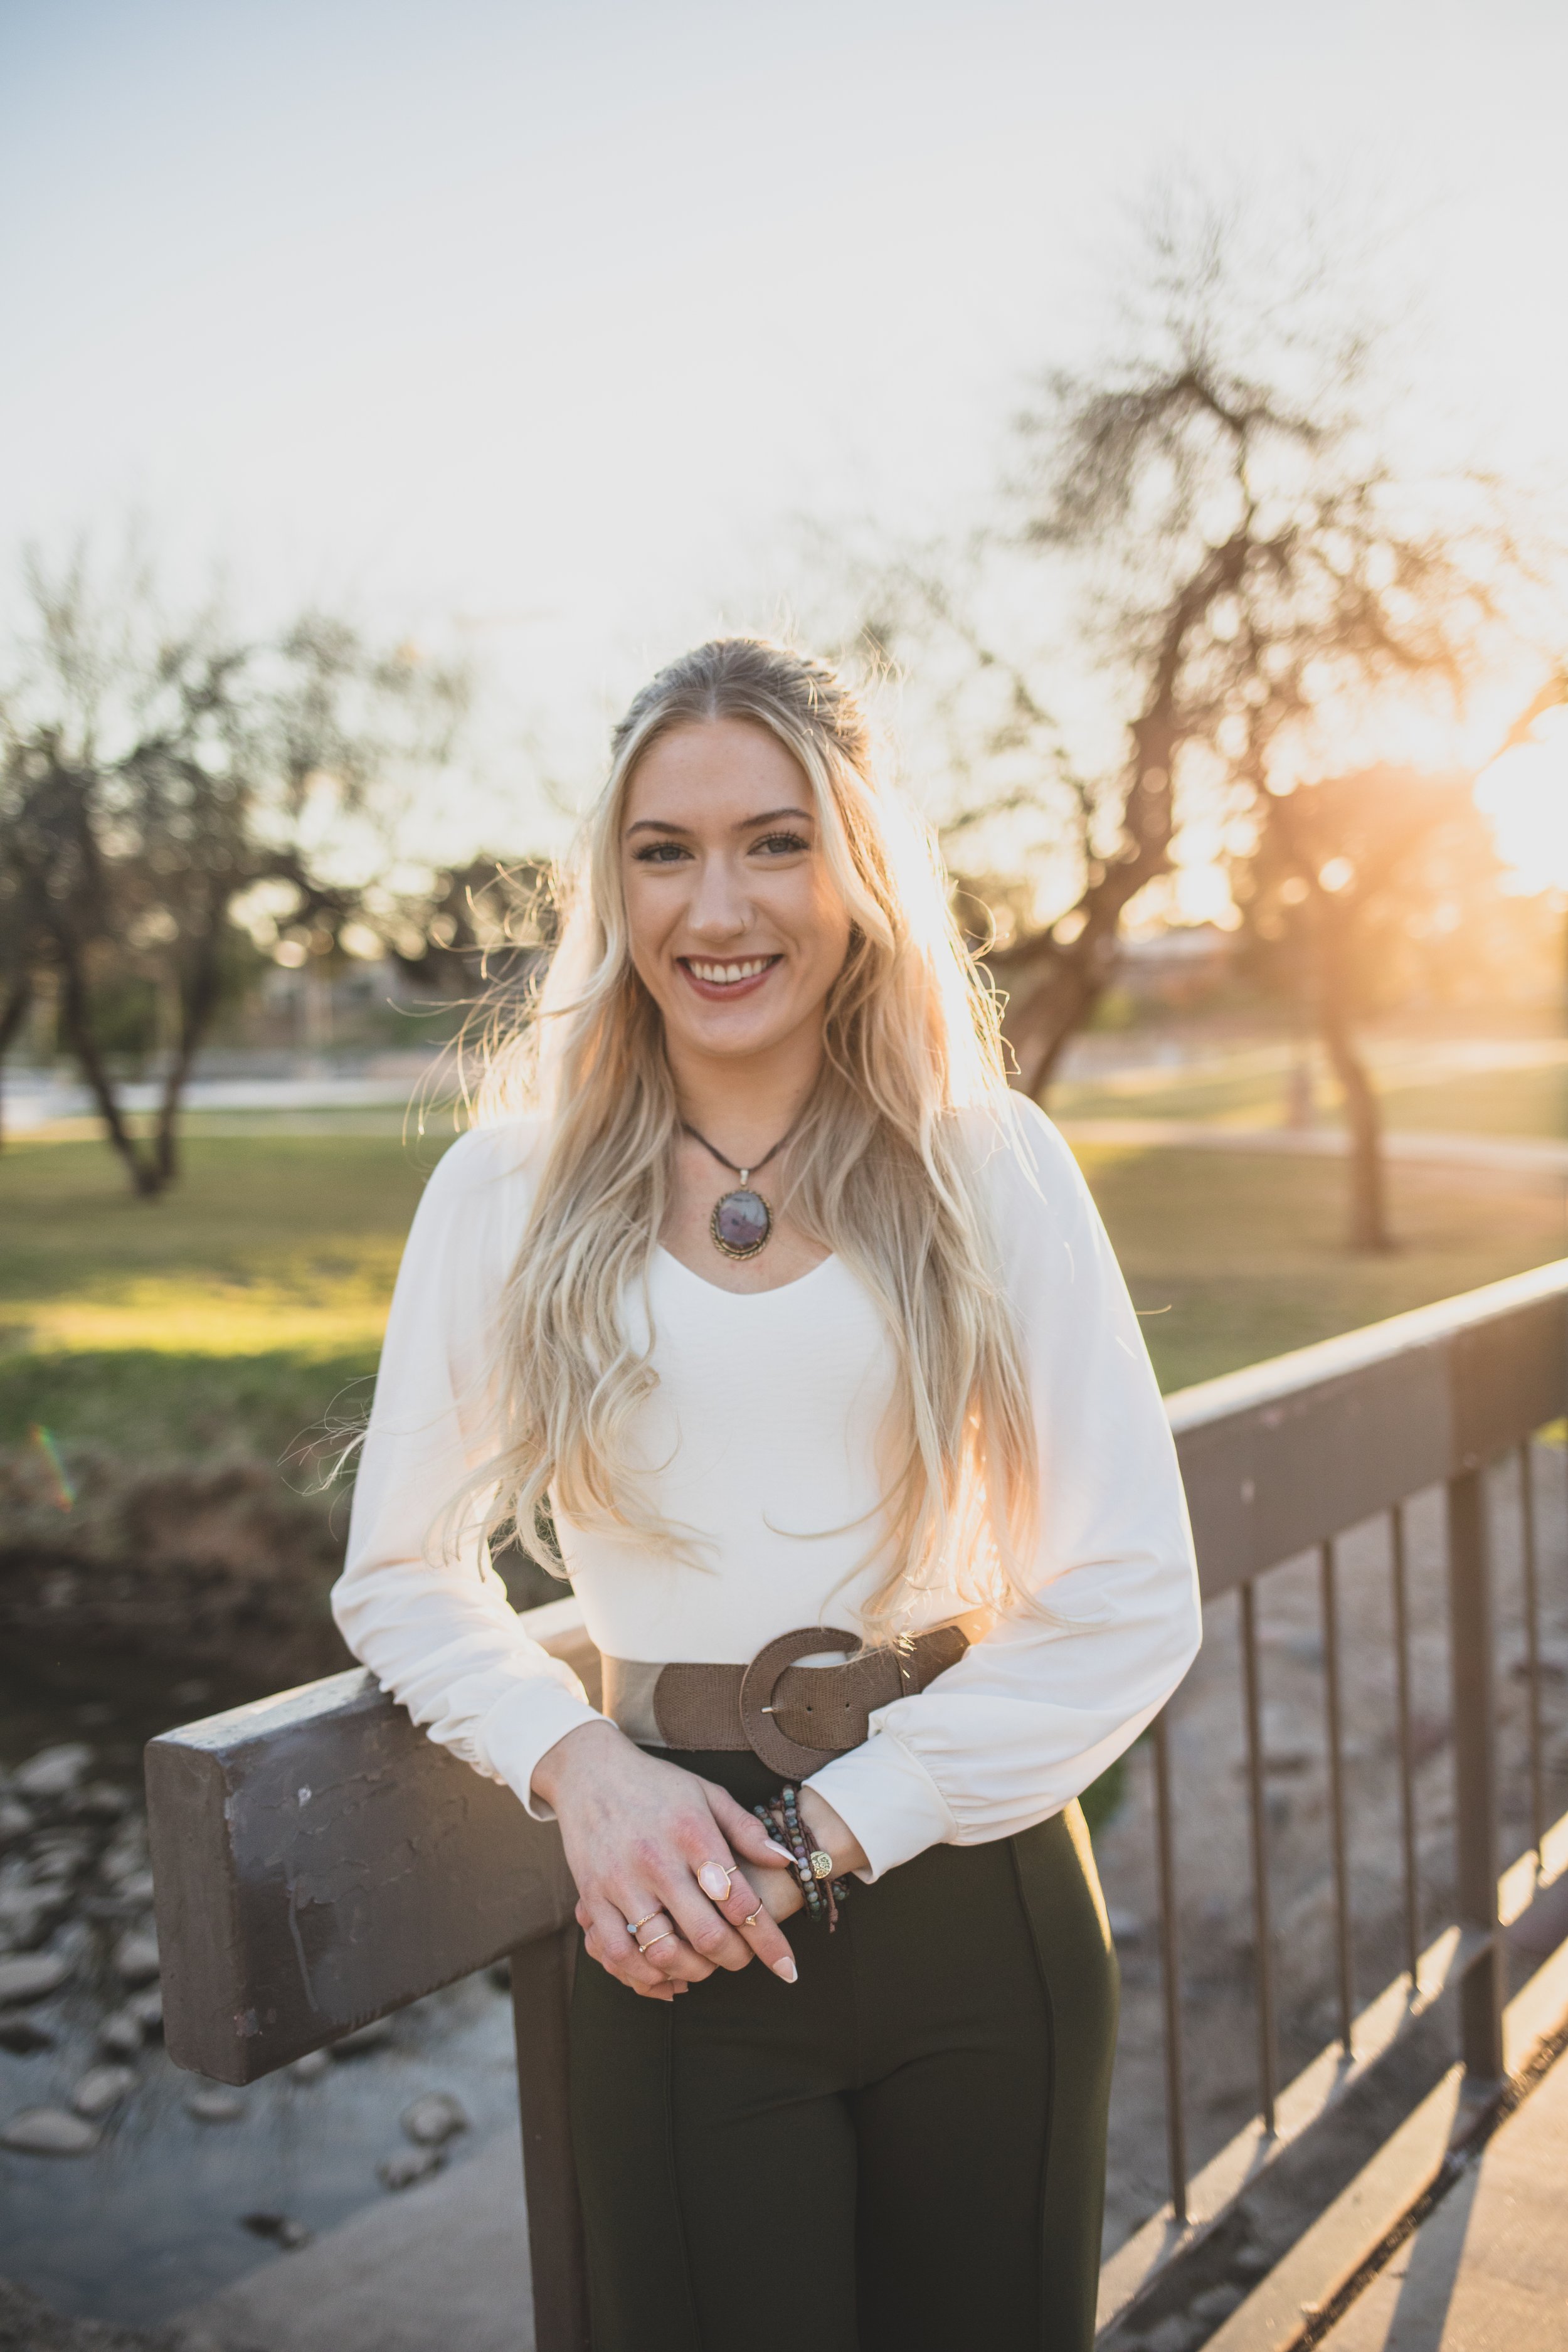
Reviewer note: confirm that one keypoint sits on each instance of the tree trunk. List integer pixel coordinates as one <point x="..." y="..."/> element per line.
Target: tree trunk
<point x="1369" y="1227"/>
<point x="199" y="993"/>
<point x="19" y="996"/>
<point x="1051" y="991"/>
<point x="1052" y="985"/>
<point x="75" y="1021"/>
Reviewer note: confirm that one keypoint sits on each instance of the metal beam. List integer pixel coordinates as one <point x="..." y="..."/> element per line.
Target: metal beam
<point x="318" y="1862"/>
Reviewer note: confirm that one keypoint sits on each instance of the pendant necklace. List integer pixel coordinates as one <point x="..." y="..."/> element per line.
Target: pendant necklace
<point x="742" y="1222"/>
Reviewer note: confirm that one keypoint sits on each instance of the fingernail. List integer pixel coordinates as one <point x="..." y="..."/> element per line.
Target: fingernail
<point x="713" y="1881"/>
<point x="782" y="1852"/>
<point x="787" y="1970"/>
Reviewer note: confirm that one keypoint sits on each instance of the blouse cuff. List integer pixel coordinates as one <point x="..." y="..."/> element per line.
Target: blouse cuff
<point x="889" y="1800"/>
<point x="518" y="1730"/>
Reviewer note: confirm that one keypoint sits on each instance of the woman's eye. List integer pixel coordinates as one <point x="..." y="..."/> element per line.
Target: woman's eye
<point x="782" y="844"/>
<point x="660" y="853"/>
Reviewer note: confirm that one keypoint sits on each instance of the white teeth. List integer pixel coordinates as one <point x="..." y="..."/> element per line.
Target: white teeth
<point x="721" y="975"/>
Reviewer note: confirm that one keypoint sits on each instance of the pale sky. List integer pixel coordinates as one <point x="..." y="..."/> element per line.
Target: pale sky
<point x="550" y="317"/>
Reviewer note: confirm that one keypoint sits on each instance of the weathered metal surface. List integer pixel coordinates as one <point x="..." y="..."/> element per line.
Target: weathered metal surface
<point x="1280" y="1457"/>
<point x="318" y="1862"/>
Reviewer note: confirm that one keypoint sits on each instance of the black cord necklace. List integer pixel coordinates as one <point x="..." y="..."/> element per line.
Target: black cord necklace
<point x="742" y="1222"/>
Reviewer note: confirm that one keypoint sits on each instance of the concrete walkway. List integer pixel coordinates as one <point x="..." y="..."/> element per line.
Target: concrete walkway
<point x="437" y="2267"/>
<point x="1488" y="2271"/>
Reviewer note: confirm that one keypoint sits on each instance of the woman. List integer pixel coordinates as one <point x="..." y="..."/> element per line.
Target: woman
<point x="859" y="1473"/>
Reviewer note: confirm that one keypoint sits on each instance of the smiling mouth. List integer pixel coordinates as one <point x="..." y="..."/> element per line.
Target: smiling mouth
<point x="714" y="976"/>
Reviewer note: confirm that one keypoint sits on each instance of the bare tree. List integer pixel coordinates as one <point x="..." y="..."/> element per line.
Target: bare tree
<point x="1252" y="562"/>
<point x="150" y="776"/>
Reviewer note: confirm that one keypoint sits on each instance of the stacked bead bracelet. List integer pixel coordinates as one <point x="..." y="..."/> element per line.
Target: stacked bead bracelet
<point x="812" y="1868"/>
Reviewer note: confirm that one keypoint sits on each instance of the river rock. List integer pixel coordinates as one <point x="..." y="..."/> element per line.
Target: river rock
<point x="124" y="1858"/>
<point x="215" y="2106"/>
<point x="100" y="1801"/>
<point x="54" y="1772"/>
<point x="60" y="1855"/>
<point x="281" y="2227"/>
<point x="33" y="1977"/>
<point x="25" y="1912"/>
<point x="147" y="2009"/>
<point x="100" y="2088"/>
<point x="432" y="2121"/>
<point x="407" y="2165"/>
<point x="311" y="2067"/>
<point x="48" y="2131"/>
<point x="136" y="1958"/>
<point x="22" y="2037"/>
<point x="120" y="2035"/>
<point x="15" y="1820"/>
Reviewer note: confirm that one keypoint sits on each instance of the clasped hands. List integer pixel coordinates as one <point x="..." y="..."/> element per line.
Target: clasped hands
<point x="653" y="1845"/>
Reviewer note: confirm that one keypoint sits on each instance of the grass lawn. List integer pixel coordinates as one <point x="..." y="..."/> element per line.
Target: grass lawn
<point x="1467" y="1102"/>
<point x="250" y="1300"/>
<point x="1232" y="1258"/>
<point x="236" y="1308"/>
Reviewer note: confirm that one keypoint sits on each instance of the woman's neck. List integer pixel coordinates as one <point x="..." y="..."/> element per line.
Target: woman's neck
<point x="746" y="1105"/>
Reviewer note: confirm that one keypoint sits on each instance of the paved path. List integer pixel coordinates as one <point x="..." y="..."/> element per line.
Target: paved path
<point x="1488" y="2272"/>
<point x="437" y="2267"/>
<point x="1542" y="1154"/>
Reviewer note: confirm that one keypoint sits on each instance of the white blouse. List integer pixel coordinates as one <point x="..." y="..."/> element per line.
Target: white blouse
<point x="761" y="1436"/>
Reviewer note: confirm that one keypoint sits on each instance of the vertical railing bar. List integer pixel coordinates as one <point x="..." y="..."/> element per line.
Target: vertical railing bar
<point x="1532" y="1647"/>
<point x="1327" y="1585"/>
<point x="1170" y="1969"/>
<point x="1472" y="1646"/>
<point x="1262" y="1925"/>
<point x="1407" y="1756"/>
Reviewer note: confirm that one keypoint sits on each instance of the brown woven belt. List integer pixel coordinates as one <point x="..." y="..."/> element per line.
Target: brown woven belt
<point x="795" y="1718"/>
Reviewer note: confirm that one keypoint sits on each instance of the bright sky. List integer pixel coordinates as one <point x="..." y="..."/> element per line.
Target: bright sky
<point x="551" y="314"/>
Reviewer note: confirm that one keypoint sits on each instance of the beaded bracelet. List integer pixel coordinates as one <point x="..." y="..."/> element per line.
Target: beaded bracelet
<point x="812" y="1868"/>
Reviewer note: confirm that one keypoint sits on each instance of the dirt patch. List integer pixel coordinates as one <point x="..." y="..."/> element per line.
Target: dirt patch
<point x="214" y="1567"/>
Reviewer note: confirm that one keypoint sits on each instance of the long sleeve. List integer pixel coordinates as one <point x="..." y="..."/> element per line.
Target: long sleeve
<point x="1044" y="1703"/>
<point x="418" y="1600"/>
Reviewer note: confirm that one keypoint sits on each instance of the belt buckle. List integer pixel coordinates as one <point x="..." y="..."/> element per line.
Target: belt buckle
<point x="771" y="1745"/>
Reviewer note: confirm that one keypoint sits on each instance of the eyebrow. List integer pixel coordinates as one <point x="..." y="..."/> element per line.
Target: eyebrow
<point x="745" y="825"/>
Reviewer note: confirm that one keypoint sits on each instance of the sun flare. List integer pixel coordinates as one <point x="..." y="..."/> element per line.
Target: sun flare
<point x="1524" y="794"/>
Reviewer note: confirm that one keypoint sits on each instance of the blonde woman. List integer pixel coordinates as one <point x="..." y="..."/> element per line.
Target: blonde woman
<point x="757" y="1293"/>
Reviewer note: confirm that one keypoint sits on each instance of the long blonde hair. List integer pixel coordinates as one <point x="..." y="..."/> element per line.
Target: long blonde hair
<point x="881" y="1171"/>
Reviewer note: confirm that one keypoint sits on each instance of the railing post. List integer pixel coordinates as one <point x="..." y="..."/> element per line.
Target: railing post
<point x="1471" y="1645"/>
<point x="540" y="1998"/>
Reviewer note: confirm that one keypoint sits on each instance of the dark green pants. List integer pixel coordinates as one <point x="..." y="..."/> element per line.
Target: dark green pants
<point x="905" y="2149"/>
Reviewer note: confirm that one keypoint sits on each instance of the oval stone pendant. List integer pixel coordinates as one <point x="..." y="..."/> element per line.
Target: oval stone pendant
<point x="741" y="1224"/>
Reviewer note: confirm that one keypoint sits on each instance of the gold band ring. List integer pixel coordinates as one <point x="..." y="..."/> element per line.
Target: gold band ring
<point x="754" y="1918"/>
<point x="656" y="1939"/>
<point x="633" y="1925"/>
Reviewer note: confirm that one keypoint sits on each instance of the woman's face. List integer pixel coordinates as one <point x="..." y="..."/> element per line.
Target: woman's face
<point x="738" y="931"/>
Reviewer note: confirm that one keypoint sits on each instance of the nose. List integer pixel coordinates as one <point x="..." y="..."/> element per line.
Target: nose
<point x="720" y="907"/>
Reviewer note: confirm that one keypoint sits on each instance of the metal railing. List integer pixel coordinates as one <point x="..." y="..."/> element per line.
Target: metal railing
<point x="319" y="1862"/>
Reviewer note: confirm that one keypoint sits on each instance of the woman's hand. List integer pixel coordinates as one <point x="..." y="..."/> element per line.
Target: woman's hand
<point x="655" y="1848"/>
<point x="830" y="1832"/>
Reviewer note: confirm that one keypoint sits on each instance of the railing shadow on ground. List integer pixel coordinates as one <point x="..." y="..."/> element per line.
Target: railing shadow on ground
<point x="319" y="1862"/>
